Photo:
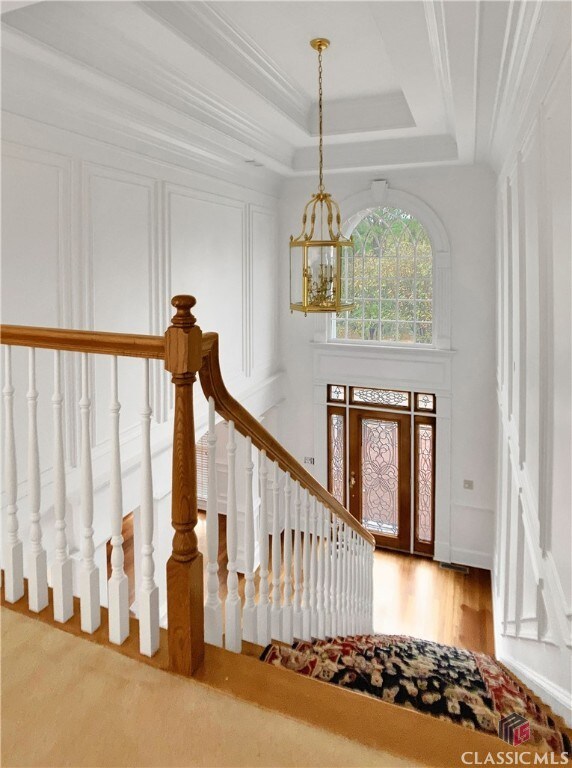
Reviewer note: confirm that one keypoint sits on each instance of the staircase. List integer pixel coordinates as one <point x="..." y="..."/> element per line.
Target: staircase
<point x="313" y="572"/>
<point x="312" y="579"/>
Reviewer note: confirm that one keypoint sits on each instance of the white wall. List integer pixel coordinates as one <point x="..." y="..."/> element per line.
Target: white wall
<point x="532" y="575"/>
<point x="99" y="237"/>
<point x="463" y="199"/>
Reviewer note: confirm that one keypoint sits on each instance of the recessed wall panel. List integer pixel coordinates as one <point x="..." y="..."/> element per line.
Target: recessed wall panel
<point x="206" y="249"/>
<point x="265" y="294"/>
<point x="34" y="219"/>
<point x="119" y="253"/>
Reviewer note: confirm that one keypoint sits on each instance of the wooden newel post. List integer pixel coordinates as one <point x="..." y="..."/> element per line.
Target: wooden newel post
<point x="183" y="357"/>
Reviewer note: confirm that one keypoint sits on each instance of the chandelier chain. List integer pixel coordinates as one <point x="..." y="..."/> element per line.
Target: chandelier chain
<point x="320" y="119"/>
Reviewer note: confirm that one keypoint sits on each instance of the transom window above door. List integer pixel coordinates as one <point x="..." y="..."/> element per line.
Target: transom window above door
<point x="393" y="281"/>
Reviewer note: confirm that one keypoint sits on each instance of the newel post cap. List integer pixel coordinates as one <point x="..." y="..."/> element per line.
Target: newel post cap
<point x="183" y="303"/>
<point x="183" y="339"/>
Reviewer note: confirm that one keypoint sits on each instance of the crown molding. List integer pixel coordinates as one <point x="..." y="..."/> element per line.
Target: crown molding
<point x="162" y="83"/>
<point x="207" y="28"/>
<point x="453" y="30"/>
<point x="48" y="86"/>
<point x="536" y="43"/>
<point x="521" y="22"/>
<point x="384" y="112"/>
<point x="381" y="153"/>
<point x="12" y="5"/>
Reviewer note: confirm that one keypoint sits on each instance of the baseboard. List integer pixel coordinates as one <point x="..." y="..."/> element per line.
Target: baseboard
<point x="472" y="557"/>
<point x="554" y="695"/>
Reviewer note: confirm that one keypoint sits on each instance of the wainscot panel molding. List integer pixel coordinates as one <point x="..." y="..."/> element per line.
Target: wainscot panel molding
<point x="95" y="235"/>
<point x="533" y="573"/>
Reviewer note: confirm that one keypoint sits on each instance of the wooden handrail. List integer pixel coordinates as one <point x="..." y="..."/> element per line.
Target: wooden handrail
<point x="95" y="342"/>
<point x="230" y="409"/>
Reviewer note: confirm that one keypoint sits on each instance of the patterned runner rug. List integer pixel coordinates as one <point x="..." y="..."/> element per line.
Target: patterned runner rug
<point x="470" y="689"/>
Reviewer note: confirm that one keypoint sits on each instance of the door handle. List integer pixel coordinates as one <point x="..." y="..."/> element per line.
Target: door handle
<point x="352" y="479"/>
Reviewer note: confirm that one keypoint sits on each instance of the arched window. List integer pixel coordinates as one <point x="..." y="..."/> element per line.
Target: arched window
<point x="393" y="277"/>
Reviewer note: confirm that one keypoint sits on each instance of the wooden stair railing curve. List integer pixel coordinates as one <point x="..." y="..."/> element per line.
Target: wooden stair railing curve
<point x="186" y="352"/>
<point x="230" y="409"/>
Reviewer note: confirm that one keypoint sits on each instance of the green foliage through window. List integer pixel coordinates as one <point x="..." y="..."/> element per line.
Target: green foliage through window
<point x="393" y="278"/>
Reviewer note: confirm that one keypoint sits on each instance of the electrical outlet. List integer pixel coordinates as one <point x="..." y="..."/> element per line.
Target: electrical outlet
<point x="468" y="485"/>
<point x="308" y="459"/>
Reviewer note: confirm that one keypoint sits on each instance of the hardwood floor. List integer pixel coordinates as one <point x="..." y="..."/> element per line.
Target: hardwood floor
<point x="415" y="596"/>
<point x="412" y="596"/>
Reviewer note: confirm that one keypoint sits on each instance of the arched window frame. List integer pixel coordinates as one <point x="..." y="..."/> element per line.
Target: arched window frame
<point x="380" y="195"/>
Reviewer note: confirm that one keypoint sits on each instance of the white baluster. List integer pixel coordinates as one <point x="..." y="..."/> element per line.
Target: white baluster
<point x="263" y="610"/>
<point x="371" y="590"/>
<point x="339" y="580"/>
<point x="148" y="598"/>
<point x="13" y="550"/>
<point x="320" y="612"/>
<point x="357" y="586"/>
<point x="367" y="607"/>
<point x="327" y="568"/>
<point x="213" y="605"/>
<point x="297" y="617"/>
<point x="61" y="569"/>
<point x="232" y="608"/>
<point x="287" y="614"/>
<point x="276" y="610"/>
<point x="306" y="612"/>
<point x="344" y="594"/>
<point x="313" y="571"/>
<point x="353" y="581"/>
<point x="37" y="563"/>
<point x="360" y="584"/>
<point x="118" y="584"/>
<point x="359" y="566"/>
<point x="334" y="579"/>
<point x="359" y="572"/>
<point x="89" y="572"/>
<point x="365" y="627"/>
<point x="249" y="612"/>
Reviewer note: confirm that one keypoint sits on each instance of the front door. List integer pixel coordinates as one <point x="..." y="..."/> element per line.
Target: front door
<point x="381" y="462"/>
<point x="380" y="475"/>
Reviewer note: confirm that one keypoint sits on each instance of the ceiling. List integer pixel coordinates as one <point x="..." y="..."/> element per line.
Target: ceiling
<point x="405" y="83"/>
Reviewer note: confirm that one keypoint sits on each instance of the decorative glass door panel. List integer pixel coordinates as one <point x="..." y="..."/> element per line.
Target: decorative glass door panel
<point x="379" y="475"/>
<point x="424" y="483"/>
<point x="337" y="452"/>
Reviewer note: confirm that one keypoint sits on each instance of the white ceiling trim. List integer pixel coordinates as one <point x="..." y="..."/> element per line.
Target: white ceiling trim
<point x="12" y="5"/>
<point x="209" y="30"/>
<point x="403" y="28"/>
<point x="202" y="114"/>
<point x="383" y="153"/>
<point x="61" y="92"/>
<point x="521" y="25"/>
<point x="435" y="17"/>
<point x="384" y="112"/>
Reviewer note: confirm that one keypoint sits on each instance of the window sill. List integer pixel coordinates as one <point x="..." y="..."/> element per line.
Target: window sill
<point x="372" y="347"/>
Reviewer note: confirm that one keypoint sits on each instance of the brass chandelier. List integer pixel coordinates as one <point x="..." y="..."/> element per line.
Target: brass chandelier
<point x="321" y="258"/>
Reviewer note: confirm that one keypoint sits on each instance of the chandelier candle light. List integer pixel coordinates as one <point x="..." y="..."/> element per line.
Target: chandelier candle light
<point x="321" y="258"/>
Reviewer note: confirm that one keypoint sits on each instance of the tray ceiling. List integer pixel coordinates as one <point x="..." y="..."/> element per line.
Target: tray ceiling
<point x="406" y="83"/>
